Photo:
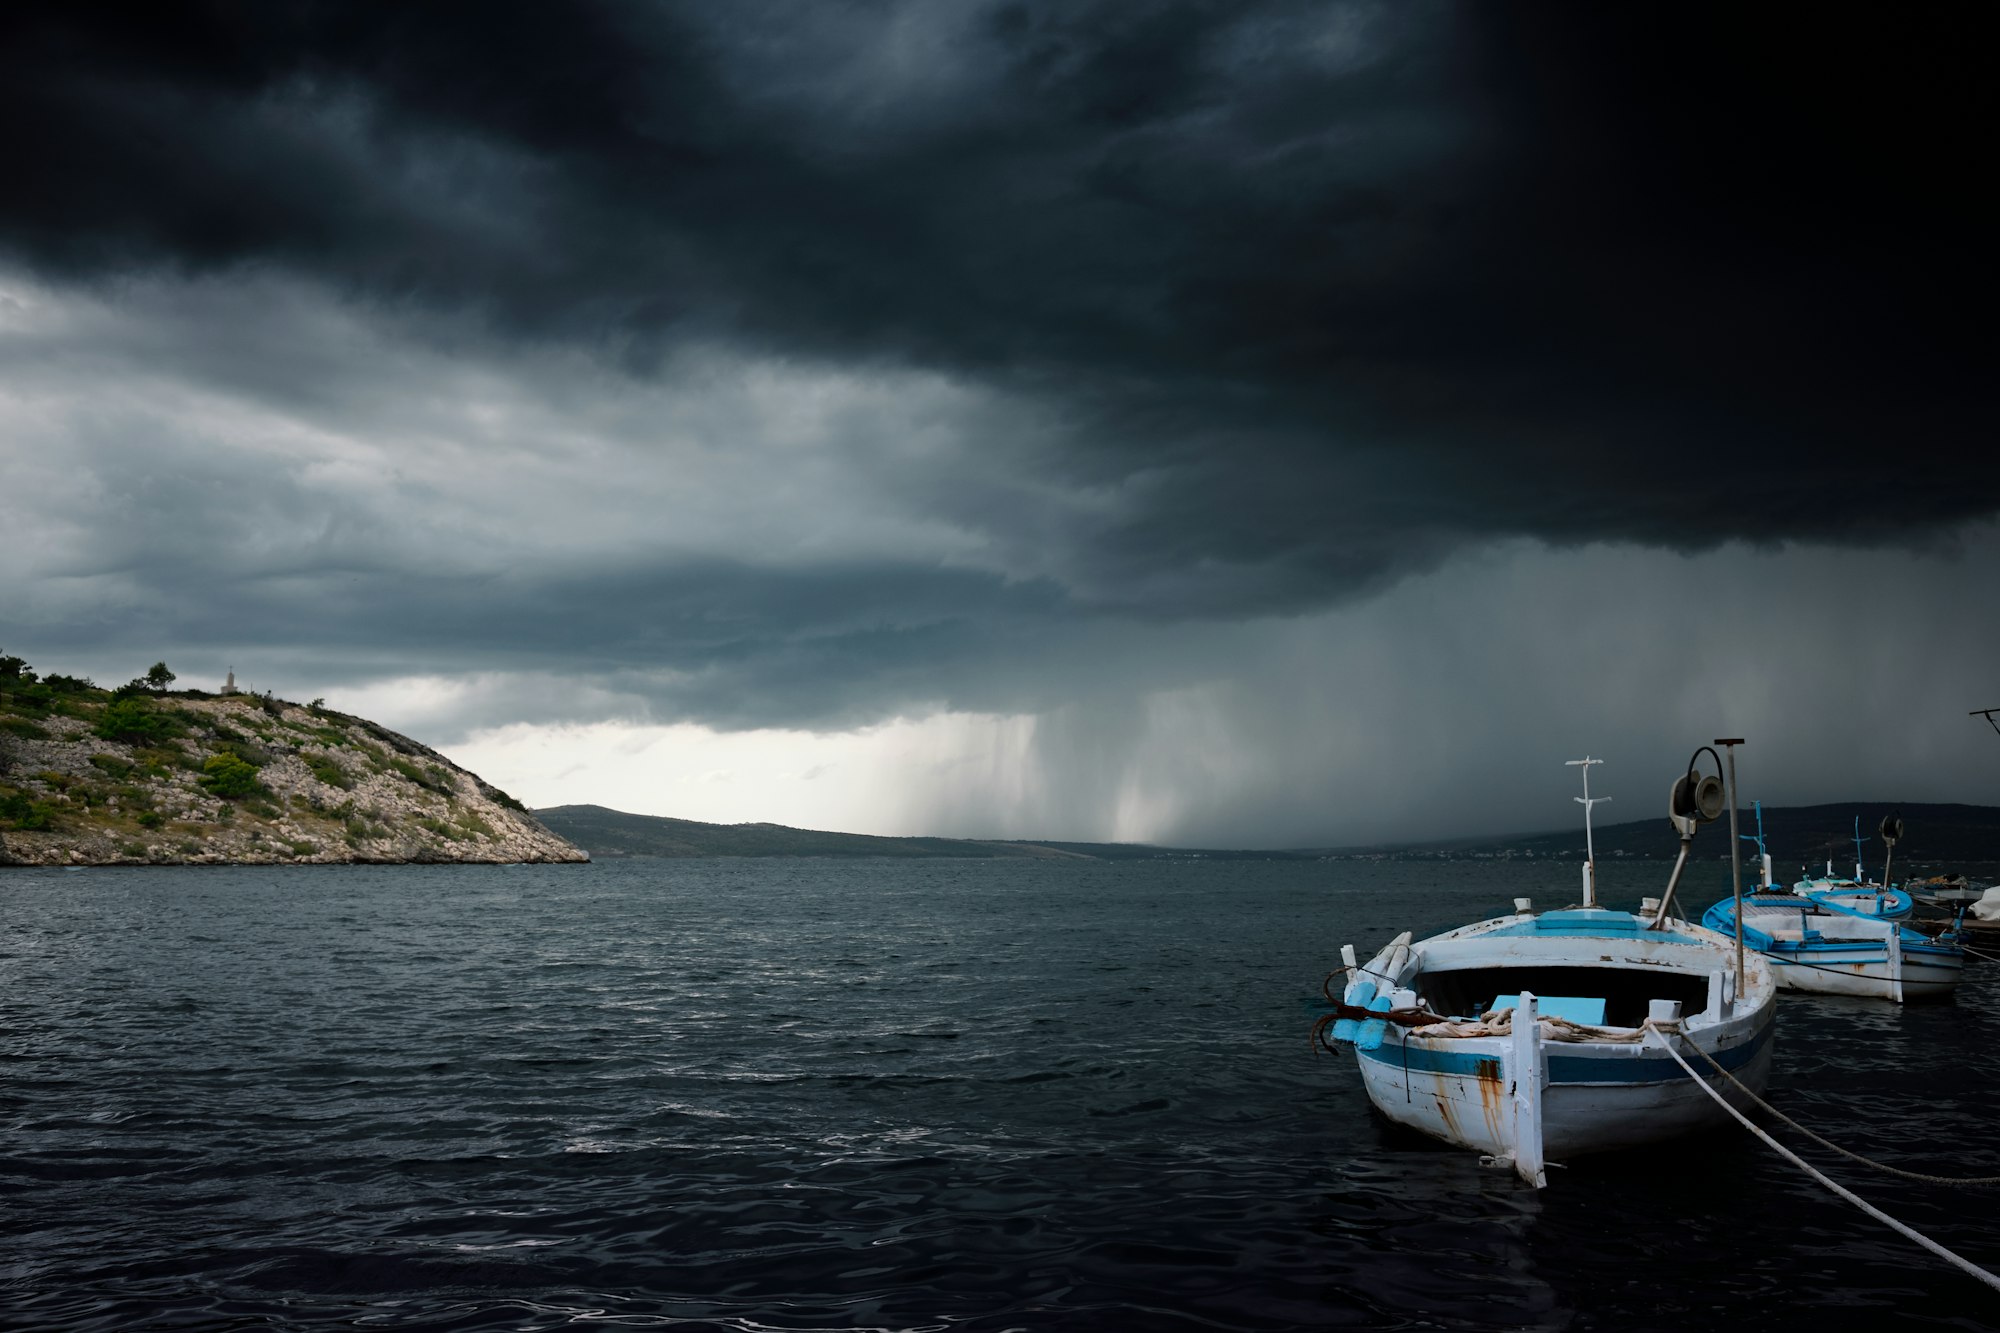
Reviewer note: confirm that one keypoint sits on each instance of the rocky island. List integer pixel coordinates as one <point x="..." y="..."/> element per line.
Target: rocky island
<point x="145" y="775"/>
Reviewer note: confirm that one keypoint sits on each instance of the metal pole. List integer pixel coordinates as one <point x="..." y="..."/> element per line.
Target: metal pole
<point x="1673" y="881"/>
<point x="1735" y="856"/>
<point x="1589" y="843"/>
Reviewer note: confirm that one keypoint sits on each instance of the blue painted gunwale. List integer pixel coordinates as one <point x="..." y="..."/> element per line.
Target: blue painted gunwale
<point x="1567" y="1069"/>
<point x="1893" y="904"/>
<point x="1786" y="951"/>
<point x="1721" y="918"/>
<point x="1589" y="922"/>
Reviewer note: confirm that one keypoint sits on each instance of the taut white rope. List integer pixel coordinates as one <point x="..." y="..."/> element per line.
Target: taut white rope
<point x="1970" y="1268"/>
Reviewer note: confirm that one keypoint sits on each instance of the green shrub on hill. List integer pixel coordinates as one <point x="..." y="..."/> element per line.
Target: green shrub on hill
<point x="447" y="831"/>
<point x="159" y="760"/>
<point x="230" y="777"/>
<point x="23" y="692"/>
<point x="136" y="721"/>
<point x="431" y="777"/>
<point x="111" y="765"/>
<point x="329" y="772"/>
<point x="18" y="812"/>
<point x="249" y="752"/>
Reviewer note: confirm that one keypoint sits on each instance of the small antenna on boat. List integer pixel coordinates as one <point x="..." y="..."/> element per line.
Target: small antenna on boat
<point x="1736" y="850"/>
<point x="1860" y="876"/>
<point x="1986" y="713"/>
<point x="1763" y="854"/>
<point x="1589" y="846"/>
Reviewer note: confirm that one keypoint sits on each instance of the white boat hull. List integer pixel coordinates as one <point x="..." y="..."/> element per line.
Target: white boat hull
<point x="1824" y="949"/>
<point x="1597" y="1098"/>
<point x="1828" y="973"/>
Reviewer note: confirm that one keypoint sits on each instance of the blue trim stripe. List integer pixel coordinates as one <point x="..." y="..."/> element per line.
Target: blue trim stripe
<point x="1589" y="923"/>
<point x="1805" y="957"/>
<point x="1566" y="1068"/>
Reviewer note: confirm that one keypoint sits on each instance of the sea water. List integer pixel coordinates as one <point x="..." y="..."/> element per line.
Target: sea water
<point x="877" y="1095"/>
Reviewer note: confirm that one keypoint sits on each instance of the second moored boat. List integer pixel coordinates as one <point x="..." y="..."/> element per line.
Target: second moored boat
<point x="1844" y="937"/>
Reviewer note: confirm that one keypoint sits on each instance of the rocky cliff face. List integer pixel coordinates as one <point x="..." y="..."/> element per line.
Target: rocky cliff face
<point x="89" y="779"/>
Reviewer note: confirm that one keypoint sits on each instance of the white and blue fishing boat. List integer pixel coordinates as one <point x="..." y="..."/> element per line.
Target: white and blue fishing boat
<point x="1857" y="894"/>
<point x="1844" y="937"/>
<point x="1815" y="944"/>
<point x="1534" y="1037"/>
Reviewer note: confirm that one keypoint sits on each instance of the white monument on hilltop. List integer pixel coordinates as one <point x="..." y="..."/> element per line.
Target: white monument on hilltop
<point x="229" y="686"/>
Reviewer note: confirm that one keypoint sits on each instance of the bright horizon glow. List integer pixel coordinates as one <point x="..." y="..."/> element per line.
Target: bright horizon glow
<point x="834" y="781"/>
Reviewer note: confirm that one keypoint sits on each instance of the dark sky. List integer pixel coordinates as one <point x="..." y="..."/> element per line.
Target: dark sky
<point x="1238" y="422"/>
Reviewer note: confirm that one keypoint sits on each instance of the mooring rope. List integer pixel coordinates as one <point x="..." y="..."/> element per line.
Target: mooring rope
<point x="1970" y="1268"/>
<point x="1325" y="987"/>
<point x="1815" y="967"/>
<point x="1970" y="1182"/>
<point x="1810" y="967"/>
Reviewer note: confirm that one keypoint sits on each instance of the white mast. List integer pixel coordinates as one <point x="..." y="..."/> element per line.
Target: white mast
<point x="1589" y="846"/>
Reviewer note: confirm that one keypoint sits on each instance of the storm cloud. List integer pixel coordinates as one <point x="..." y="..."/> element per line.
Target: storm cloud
<point x="771" y="366"/>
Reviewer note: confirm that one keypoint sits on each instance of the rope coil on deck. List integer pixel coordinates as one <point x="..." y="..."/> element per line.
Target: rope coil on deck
<point x="1966" y="1265"/>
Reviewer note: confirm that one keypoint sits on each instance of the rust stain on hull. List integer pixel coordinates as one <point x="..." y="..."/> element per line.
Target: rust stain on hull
<point x="1492" y="1096"/>
<point x="1450" y="1119"/>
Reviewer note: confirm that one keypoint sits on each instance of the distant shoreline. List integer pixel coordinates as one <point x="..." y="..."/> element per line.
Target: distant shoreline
<point x="1938" y="837"/>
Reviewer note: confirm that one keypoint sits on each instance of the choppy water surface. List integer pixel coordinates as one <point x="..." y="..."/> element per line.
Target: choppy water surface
<point x="883" y="1094"/>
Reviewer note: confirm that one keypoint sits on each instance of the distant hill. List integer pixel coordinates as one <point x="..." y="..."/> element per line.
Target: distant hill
<point x="177" y="777"/>
<point x="1796" y="836"/>
<point x="613" y="833"/>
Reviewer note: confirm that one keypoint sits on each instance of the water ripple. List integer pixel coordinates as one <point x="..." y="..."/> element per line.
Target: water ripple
<point x="874" y="1095"/>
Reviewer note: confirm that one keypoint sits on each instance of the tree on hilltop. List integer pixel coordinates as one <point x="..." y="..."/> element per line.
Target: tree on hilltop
<point x="158" y="678"/>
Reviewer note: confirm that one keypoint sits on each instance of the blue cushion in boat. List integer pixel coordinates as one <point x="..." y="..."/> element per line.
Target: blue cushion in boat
<point x="1576" y="1008"/>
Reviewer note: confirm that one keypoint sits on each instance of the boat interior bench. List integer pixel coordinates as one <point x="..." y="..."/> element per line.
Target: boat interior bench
<point x="1849" y="928"/>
